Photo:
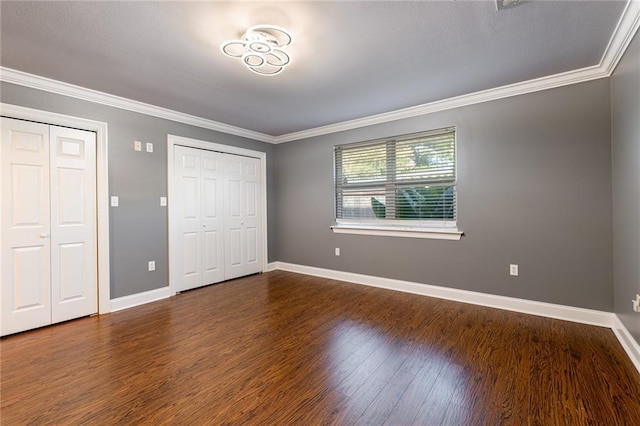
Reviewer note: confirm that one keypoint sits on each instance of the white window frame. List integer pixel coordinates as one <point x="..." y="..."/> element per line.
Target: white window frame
<point x="432" y="229"/>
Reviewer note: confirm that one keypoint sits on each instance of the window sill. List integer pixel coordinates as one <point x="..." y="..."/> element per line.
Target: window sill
<point x="397" y="231"/>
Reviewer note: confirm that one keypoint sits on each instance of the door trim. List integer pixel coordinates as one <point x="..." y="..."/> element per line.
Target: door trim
<point x="102" y="182"/>
<point x="173" y="140"/>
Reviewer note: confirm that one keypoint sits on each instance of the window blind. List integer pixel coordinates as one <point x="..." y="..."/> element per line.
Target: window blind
<point x="406" y="178"/>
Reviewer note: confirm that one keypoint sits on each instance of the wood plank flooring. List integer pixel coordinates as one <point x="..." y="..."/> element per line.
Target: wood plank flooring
<point x="288" y="349"/>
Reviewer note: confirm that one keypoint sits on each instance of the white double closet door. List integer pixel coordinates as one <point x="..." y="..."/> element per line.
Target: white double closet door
<point x="217" y="233"/>
<point x="48" y="230"/>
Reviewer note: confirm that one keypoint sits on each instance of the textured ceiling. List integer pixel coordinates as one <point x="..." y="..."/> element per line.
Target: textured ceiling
<point x="349" y="59"/>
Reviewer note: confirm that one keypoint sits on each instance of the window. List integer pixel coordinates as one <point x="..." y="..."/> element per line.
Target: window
<point x="400" y="186"/>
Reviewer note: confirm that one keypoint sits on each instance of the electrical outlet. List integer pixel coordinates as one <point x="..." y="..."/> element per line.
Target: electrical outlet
<point x="513" y="270"/>
<point x="115" y="201"/>
<point x="636" y="303"/>
<point x="152" y="265"/>
<point x="137" y="146"/>
<point x="337" y="251"/>
<point x="149" y="147"/>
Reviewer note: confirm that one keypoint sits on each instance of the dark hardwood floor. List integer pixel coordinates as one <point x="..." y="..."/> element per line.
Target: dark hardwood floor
<point x="281" y="348"/>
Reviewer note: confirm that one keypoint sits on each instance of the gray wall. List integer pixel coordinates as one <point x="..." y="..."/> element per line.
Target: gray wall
<point x="138" y="228"/>
<point x="625" y="104"/>
<point x="534" y="189"/>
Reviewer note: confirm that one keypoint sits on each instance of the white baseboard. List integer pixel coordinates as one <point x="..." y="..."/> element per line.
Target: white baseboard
<point x="550" y="310"/>
<point x="627" y="341"/>
<point x="139" y="299"/>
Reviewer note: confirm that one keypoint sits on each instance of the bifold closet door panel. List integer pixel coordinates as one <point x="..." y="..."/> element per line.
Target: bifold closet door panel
<point x="242" y="200"/>
<point x="26" y="230"/>
<point x="188" y="240"/>
<point x="74" y="253"/>
<point x="198" y="209"/>
<point x="212" y="218"/>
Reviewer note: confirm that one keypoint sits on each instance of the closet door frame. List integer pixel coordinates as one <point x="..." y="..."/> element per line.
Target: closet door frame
<point x="102" y="181"/>
<point x="173" y="140"/>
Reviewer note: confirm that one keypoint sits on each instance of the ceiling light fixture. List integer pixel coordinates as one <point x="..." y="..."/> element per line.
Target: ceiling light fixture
<point x="260" y="49"/>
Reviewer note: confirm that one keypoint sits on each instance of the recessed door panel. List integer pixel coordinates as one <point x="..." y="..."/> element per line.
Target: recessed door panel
<point x="27" y="140"/>
<point x="30" y="283"/>
<point x="210" y="205"/>
<point x="234" y="247"/>
<point x="191" y="254"/>
<point x="190" y="201"/>
<point x="190" y="161"/>
<point x="30" y="203"/>
<point x="71" y="272"/>
<point x="251" y="202"/>
<point x="68" y="147"/>
<point x="252" y="245"/>
<point x="71" y="191"/>
<point x="211" y="251"/>
<point x="234" y="198"/>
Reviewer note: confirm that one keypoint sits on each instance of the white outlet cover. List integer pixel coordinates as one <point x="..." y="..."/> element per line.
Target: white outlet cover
<point x="149" y="147"/>
<point x="163" y="201"/>
<point x="137" y="146"/>
<point x="115" y="201"/>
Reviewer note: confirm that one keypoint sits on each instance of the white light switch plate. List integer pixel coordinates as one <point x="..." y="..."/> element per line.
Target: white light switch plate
<point x="513" y="270"/>
<point x="152" y="265"/>
<point x="115" y="202"/>
<point x="163" y="201"/>
<point x="149" y="147"/>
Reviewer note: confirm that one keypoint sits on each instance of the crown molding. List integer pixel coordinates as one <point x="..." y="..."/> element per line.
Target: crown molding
<point x="48" y="85"/>
<point x="544" y="83"/>
<point x="623" y="34"/>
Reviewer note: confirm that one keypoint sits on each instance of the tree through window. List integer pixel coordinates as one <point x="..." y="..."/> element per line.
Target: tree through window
<point x="405" y="180"/>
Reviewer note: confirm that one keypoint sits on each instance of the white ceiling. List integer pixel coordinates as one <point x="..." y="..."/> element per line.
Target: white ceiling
<point x="349" y="59"/>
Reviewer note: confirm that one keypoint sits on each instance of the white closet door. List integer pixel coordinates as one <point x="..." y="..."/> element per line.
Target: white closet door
<point x="73" y="224"/>
<point x="188" y="212"/>
<point x="242" y="207"/>
<point x="49" y="241"/>
<point x="199" y="232"/>
<point x="212" y="220"/>
<point x="26" y="284"/>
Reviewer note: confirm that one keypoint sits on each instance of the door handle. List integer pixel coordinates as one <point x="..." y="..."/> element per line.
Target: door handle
<point x="44" y="235"/>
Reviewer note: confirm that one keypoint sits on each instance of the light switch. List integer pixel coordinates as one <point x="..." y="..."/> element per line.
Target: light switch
<point x="513" y="270"/>
<point x="163" y="201"/>
<point x="149" y="147"/>
<point x="115" y="202"/>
